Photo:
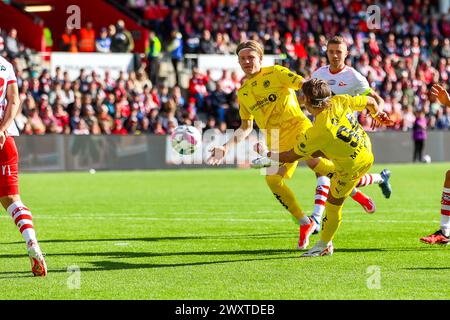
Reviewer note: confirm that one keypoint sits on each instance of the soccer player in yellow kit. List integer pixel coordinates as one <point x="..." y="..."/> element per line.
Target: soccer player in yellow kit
<point x="268" y="97"/>
<point x="336" y="135"/>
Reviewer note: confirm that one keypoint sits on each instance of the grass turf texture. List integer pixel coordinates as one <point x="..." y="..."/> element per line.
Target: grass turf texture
<point x="220" y="234"/>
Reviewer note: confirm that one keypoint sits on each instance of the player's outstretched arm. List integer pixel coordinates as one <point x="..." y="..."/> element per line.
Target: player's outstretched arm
<point x="380" y="117"/>
<point x="218" y="153"/>
<point x="441" y="94"/>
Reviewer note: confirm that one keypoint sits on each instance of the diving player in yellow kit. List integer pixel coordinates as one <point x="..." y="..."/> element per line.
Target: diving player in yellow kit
<point x="336" y="135"/>
<point x="268" y="97"/>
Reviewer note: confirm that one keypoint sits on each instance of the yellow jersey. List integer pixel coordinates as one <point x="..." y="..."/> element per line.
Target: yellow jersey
<point x="337" y="135"/>
<point x="269" y="98"/>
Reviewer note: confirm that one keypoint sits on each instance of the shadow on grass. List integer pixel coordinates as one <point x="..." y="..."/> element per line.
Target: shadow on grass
<point x="205" y="237"/>
<point x="114" y="265"/>
<point x="130" y="255"/>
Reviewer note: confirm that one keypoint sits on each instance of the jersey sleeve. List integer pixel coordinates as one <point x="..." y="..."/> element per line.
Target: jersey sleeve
<point x="309" y="142"/>
<point x="288" y="78"/>
<point x="244" y="113"/>
<point x="361" y="86"/>
<point x="357" y="103"/>
<point x="11" y="77"/>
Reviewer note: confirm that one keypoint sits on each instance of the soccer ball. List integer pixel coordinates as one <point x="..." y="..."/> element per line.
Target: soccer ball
<point x="426" y="158"/>
<point x="185" y="139"/>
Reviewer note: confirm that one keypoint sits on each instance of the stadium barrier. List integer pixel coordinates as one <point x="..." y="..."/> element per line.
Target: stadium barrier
<point x="102" y="152"/>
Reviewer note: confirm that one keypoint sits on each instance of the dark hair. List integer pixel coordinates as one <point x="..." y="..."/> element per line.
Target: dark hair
<point x="317" y="91"/>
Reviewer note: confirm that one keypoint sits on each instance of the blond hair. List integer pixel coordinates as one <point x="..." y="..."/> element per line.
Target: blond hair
<point x="318" y="92"/>
<point x="251" y="44"/>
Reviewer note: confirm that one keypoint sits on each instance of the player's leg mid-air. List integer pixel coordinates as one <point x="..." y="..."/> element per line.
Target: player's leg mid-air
<point x="442" y="236"/>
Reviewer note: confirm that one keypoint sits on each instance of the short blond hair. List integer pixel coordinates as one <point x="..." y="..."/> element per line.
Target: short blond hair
<point x="251" y="44"/>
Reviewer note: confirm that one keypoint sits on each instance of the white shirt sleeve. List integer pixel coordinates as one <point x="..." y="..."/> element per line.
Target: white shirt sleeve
<point x="361" y="85"/>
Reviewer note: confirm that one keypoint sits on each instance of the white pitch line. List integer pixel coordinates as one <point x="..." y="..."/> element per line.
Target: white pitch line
<point x="99" y="217"/>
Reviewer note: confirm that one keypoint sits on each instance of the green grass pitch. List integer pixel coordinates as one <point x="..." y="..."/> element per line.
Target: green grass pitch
<point x="220" y="234"/>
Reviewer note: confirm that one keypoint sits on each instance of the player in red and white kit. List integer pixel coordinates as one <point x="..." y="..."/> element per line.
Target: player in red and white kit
<point x="343" y="79"/>
<point x="9" y="160"/>
<point x="442" y="236"/>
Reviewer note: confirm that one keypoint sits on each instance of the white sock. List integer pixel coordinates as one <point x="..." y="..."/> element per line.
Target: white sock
<point x="321" y="196"/>
<point x="304" y="221"/>
<point x="445" y="212"/>
<point x="22" y="217"/>
<point x="369" y="178"/>
<point x="445" y="225"/>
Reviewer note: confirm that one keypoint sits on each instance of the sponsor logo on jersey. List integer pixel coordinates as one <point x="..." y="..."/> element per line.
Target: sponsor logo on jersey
<point x="266" y="84"/>
<point x="262" y="103"/>
<point x="290" y="74"/>
<point x="334" y="121"/>
<point x="2" y="68"/>
<point x="332" y="82"/>
<point x="342" y="84"/>
<point x="259" y="104"/>
<point x="254" y="83"/>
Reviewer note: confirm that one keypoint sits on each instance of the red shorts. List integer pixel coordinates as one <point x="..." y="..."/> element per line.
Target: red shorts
<point x="9" y="168"/>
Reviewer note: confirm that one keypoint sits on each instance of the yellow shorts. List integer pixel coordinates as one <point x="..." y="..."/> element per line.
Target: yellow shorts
<point x="287" y="141"/>
<point x="343" y="182"/>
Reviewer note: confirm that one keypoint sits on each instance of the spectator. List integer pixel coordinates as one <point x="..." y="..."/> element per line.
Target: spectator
<point x="197" y="87"/>
<point x="103" y="43"/>
<point x="118" y="128"/>
<point x="12" y="44"/>
<point x="120" y="27"/>
<point x="87" y="38"/>
<point x="206" y="43"/>
<point x="120" y="42"/>
<point x="419" y="135"/>
<point x="37" y="126"/>
<point x="81" y="128"/>
<point x="175" y="48"/>
<point x="153" y="57"/>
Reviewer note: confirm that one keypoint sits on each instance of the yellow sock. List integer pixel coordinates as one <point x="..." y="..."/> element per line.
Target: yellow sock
<point x="285" y="195"/>
<point x="324" y="168"/>
<point x="331" y="222"/>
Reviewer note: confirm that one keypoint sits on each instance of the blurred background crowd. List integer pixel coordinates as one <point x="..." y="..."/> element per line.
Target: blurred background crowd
<point x="401" y="60"/>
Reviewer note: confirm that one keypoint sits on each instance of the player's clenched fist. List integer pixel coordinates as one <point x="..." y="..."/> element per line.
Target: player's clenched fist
<point x="381" y="118"/>
<point x="217" y="155"/>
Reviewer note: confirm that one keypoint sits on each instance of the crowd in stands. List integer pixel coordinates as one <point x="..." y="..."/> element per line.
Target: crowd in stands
<point x="114" y="38"/>
<point x="401" y="59"/>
